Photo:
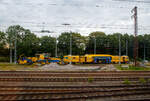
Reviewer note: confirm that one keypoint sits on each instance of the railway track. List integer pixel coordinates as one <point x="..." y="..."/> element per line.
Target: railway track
<point x="74" y="94"/>
<point x="46" y="74"/>
<point x="69" y="88"/>
<point x="54" y="89"/>
<point x="74" y="72"/>
<point x="70" y="79"/>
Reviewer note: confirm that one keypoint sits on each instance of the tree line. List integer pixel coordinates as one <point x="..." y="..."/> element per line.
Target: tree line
<point x="30" y="44"/>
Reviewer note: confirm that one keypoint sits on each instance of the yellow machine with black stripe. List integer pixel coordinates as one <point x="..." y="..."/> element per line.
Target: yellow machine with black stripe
<point x="69" y="58"/>
<point x="122" y="59"/>
<point x="39" y="58"/>
<point x="95" y="58"/>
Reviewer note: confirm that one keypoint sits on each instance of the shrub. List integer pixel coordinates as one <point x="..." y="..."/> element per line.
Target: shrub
<point x="142" y="80"/>
<point x="90" y="80"/>
<point x="127" y="82"/>
<point x="70" y="79"/>
<point x="4" y="59"/>
<point x="148" y="80"/>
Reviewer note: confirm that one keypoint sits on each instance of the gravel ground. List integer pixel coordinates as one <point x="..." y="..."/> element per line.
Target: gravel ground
<point x="69" y="67"/>
<point x="109" y="68"/>
<point x="54" y="66"/>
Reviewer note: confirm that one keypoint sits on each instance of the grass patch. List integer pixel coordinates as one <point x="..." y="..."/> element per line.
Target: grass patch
<point x="90" y="80"/>
<point x="127" y="82"/>
<point x="148" y="80"/>
<point x="142" y="80"/>
<point x="15" y="67"/>
<point x="71" y="79"/>
<point x="7" y="64"/>
<point x="132" y="68"/>
<point x="4" y="59"/>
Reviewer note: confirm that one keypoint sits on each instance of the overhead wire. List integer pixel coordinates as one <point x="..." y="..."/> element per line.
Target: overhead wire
<point x="89" y="27"/>
<point x="114" y="5"/>
<point x="137" y="1"/>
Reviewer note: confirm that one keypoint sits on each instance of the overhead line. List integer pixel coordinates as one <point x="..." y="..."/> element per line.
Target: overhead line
<point x="75" y="5"/>
<point x="135" y="1"/>
<point x="103" y="27"/>
<point x="35" y="24"/>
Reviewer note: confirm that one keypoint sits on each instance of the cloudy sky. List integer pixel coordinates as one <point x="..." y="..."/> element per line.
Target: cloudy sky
<point x="84" y="16"/>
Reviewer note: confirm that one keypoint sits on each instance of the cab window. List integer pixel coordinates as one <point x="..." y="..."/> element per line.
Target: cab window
<point x="66" y="57"/>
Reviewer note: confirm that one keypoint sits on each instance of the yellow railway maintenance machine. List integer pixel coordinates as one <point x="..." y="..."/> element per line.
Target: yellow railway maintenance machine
<point x="24" y="60"/>
<point x="98" y="58"/>
<point x="39" y="58"/>
<point x="95" y="58"/>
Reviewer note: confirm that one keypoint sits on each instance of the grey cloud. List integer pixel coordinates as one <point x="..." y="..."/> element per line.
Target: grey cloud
<point x="81" y="14"/>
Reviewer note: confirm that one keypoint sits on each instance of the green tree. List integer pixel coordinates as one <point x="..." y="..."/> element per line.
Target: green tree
<point x="27" y="42"/>
<point x="2" y="39"/>
<point x="101" y="42"/>
<point x="3" y="45"/>
<point x="47" y="45"/>
<point x="78" y="43"/>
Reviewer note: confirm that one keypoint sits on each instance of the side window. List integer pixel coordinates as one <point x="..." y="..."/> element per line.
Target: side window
<point x="66" y="57"/>
<point x="85" y="59"/>
<point x="74" y="57"/>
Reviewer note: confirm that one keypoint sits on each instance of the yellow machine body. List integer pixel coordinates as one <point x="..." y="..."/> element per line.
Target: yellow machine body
<point x="73" y="59"/>
<point x="122" y="59"/>
<point x="89" y="58"/>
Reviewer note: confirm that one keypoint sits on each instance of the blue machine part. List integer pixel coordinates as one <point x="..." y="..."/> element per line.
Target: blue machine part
<point x="54" y="61"/>
<point x="41" y="61"/>
<point x="29" y="61"/>
<point x="104" y="59"/>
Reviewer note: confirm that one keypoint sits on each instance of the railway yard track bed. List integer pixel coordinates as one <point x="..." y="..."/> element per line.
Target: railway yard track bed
<point x="74" y="86"/>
